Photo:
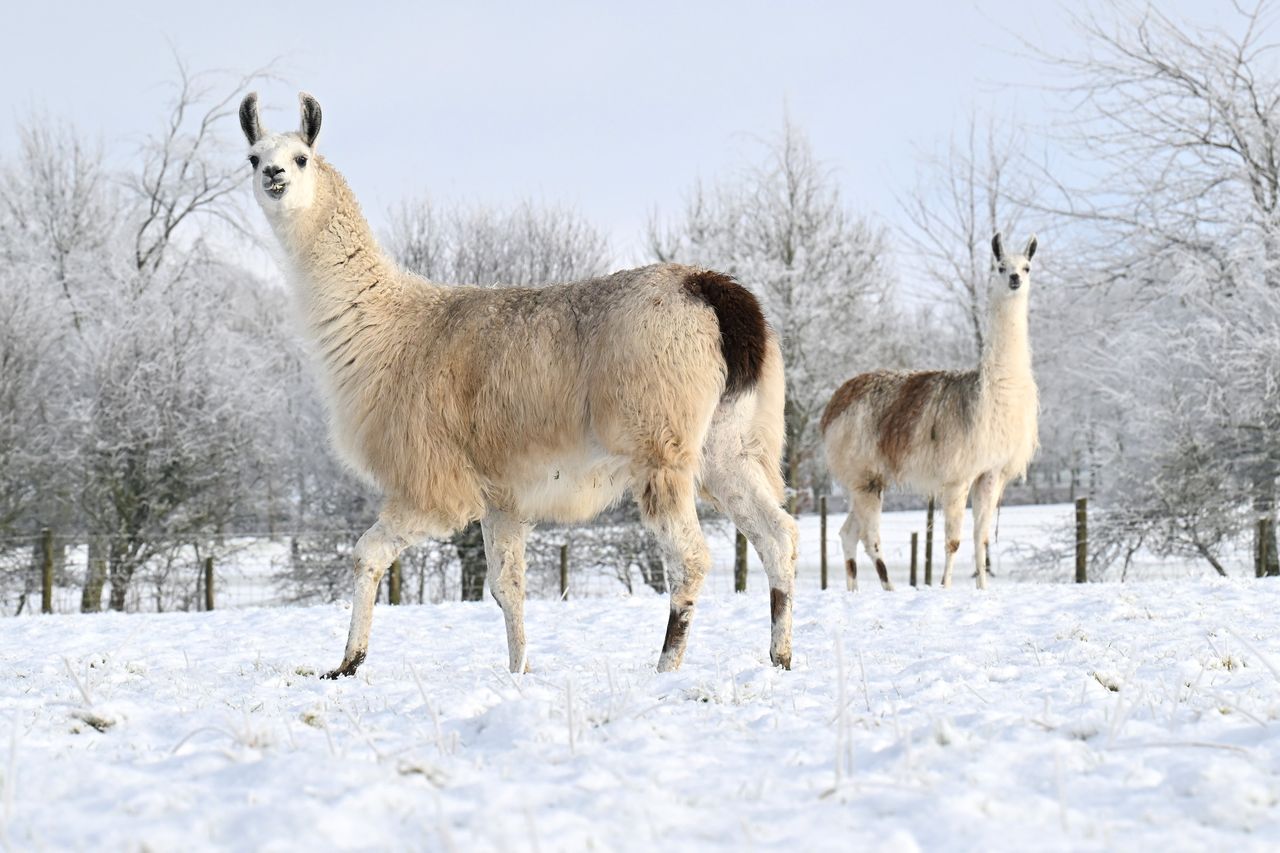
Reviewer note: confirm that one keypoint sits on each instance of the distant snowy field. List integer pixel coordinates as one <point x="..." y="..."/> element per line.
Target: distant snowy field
<point x="1034" y="716"/>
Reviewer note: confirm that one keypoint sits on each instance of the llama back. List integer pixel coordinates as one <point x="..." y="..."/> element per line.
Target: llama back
<point x="889" y="426"/>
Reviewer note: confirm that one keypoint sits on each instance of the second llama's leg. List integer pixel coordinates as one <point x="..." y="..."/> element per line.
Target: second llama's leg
<point x="504" y="538"/>
<point x="986" y="494"/>
<point x="374" y="553"/>
<point x="849" y="544"/>
<point x="953" y="498"/>
<point x="867" y="504"/>
<point x="667" y="508"/>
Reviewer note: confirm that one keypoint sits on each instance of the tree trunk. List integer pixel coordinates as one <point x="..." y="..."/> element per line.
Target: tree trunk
<point x="120" y="569"/>
<point x="470" y="544"/>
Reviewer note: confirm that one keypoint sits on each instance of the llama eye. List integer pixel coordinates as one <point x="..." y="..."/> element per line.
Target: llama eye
<point x="301" y="160"/>
<point x="253" y="160"/>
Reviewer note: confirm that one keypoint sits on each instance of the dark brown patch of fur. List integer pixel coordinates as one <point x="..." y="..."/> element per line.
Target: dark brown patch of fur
<point x="882" y="571"/>
<point x="953" y="546"/>
<point x="777" y="604"/>
<point x="743" y="332"/>
<point x="347" y="669"/>
<point x="677" y="628"/>
<point x="846" y="395"/>
<point x="898" y="421"/>
<point x="851" y="569"/>
<point x="875" y="485"/>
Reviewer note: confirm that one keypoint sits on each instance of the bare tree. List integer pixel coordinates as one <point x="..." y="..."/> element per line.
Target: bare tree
<point x="962" y="198"/>
<point x="1179" y="124"/>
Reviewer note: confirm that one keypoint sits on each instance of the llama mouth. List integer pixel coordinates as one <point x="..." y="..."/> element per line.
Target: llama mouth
<point x="275" y="189"/>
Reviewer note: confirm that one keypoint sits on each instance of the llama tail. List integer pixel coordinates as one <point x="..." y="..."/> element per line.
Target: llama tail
<point x="744" y="335"/>
<point x="768" y="430"/>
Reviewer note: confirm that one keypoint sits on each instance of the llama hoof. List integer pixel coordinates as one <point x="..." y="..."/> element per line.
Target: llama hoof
<point x="346" y="670"/>
<point x="782" y="660"/>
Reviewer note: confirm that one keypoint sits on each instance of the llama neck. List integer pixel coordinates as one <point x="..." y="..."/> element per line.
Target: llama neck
<point x="1006" y="357"/>
<point x="334" y="254"/>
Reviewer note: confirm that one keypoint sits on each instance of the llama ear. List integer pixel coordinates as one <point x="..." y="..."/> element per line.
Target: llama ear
<point x="310" y="118"/>
<point x="1031" y="248"/>
<point x="997" y="248"/>
<point x="249" y="118"/>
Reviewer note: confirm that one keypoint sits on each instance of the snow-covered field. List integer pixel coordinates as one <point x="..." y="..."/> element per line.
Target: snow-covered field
<point x="1038" y="717"/>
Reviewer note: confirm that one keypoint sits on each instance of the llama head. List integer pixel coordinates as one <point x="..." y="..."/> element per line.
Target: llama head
<point x="284" y="177"/>
<point x="1011" y="274"/>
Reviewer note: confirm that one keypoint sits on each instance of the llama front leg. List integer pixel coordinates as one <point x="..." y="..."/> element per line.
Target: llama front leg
<point x="867" y="504"/>
<point x="376" y="550"/>
<point x="504" y="538"/>
<point x="953" y="514"/>
<point x="986" y="494"/>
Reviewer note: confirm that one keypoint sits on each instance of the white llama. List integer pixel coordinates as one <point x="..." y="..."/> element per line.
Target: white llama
<point x="940" y="433"/>
<point x="516" y="405"/>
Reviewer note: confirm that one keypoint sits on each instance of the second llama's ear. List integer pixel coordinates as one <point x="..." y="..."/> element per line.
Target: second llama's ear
<point x="310" y="118"/>
<point x="1031" y="248"/>
<point x="249" y="118"/>
<point x="997" y="248"/>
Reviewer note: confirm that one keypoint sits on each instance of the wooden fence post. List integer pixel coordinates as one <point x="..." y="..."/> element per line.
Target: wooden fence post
<point x="208" y="583"/>
<point x="46" y="571"/>
<point x="393" y="582"/>
<point x="915" y="542"/>
<point x="1082" y="540"/>
<point x="822" y="510"/>
<point x="740" y="562"/>
<point x="1261" y="553"/>
<point x="928" y="545"/>
<point x="564" y="571"/>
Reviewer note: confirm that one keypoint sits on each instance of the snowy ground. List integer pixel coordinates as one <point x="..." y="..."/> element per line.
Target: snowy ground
<point x="1039" y="717"/>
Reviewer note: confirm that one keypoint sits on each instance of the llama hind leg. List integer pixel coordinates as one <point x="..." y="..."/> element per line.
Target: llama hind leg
<point x="953" y="499"/>
<point x="374" y="553"/>
<point x="667" y="508"/>
<point x="849" y="545"/>
<point x="504" y="538"/>
<point x="745" y="496"/>
<point x="986" y="494"/>
<point x="867" y="504"/>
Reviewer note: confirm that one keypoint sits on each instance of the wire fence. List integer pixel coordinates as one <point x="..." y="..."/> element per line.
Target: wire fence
<point x="1038" y="543"/>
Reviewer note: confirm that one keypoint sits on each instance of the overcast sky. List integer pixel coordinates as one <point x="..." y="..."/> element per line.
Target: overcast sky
<point x="615" y="111"/>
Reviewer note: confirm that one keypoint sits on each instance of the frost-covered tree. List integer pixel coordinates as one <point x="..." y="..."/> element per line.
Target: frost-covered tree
<point x="782" y="227"/>
<point x="1178" y="132"/>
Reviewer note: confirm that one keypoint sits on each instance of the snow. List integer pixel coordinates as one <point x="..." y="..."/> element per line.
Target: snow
<point x="1048" y="717"/>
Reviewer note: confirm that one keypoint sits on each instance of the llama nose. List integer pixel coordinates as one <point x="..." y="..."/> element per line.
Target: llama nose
<point x="1015" y="279"/>
<point x="272" y="171"/>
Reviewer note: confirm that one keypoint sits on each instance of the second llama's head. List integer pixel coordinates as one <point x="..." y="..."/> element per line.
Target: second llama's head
<point x="1011" y="274"/>
<point x="284" y="178"/>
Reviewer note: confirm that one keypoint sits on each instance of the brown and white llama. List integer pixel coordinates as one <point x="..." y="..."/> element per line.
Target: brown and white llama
<point x="516" y="405"/>
<point x="940" y="433"/>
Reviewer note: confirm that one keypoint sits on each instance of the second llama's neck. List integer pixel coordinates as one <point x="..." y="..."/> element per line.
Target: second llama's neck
<point x="1006" y="357"/>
